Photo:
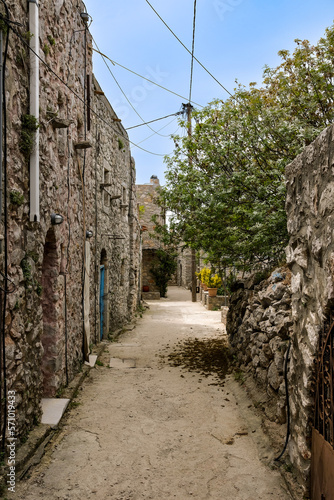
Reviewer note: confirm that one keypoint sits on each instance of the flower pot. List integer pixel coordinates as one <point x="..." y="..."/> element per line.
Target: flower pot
<point x="212" y="292"/>
<point x="205" y="287"/>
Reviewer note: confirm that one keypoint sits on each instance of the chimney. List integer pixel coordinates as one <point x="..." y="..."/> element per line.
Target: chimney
<point x="154" y="180"/>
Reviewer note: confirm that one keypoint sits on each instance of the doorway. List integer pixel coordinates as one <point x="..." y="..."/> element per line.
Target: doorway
<point x="52" y="297"/>
<point x="103" y="302"/>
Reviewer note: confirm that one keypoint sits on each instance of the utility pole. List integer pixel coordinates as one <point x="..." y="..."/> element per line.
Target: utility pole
<point x="188" y="108"/>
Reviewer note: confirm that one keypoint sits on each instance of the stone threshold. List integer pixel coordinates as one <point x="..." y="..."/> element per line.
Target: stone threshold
<point x="92" y="360"/>
<point x="53" y="409"/>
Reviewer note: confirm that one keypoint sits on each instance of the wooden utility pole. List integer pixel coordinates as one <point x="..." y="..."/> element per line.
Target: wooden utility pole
<point x="189" y="108"/>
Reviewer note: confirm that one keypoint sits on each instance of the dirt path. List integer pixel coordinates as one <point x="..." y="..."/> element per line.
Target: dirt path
<point x="147" y="430"/>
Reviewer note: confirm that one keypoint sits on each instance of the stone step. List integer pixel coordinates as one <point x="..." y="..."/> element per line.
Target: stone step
<point x="53" y="409"/>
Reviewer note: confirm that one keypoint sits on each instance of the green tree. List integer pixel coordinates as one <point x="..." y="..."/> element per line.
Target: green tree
<point x="230" y="199"/>
<point x="163" y="268"/>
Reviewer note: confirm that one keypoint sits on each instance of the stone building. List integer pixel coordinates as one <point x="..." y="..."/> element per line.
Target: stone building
<point x="183" y="272"/>
<point x="70" y="230"/>
<point x="117" y="230"/>
<point x="146" y="196"/>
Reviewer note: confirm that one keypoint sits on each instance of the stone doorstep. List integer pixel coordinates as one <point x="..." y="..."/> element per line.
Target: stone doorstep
<point x="53" y="409"/>
<point x="122" y="363"/>
<point x="92" y="360"/>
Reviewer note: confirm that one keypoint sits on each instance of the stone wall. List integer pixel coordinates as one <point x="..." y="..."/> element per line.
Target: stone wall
<point x="45" y="262"/>
<point x="184" y="267"/>
<point x="146" y="197"/>
<point x="52" y="309"/>
<point x="310" y="255"/>
<point x="116" y="228"/>
<point x="259" y="327"/>
<point x="212" y="303"/>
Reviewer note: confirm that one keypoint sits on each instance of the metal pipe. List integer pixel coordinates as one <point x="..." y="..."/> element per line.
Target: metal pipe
<point x="34" y="109"/>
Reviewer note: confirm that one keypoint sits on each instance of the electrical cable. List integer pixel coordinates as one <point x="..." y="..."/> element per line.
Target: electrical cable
<point x="124" y="94"/>
<point x="68" y="218"/>
<point x="159" y="131"/>
<point x="199" y="62"/>
<point x="66" y="331"/>
<point x="233" y="97"/>
<point x="156" y="120"/>
<point x="7" y="279"/>
<point x="79" y="97"/>
<point x="144" y="78"/>
<point x="192" y="53"/>
<point x="84" y="257"/>
<point x="3" y="383"/>
<point x="84" y="354"/>
<point x="287" y="401"/>
<point x="96" y="281"/>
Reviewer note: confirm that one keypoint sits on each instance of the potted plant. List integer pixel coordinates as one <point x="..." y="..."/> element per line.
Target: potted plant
<point x="214" y="283"/>
<point x="205" y="274"/>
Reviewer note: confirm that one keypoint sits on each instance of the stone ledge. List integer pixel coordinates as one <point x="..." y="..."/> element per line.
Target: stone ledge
<point x="212" y="303"/>
<point x="216" y="302"/>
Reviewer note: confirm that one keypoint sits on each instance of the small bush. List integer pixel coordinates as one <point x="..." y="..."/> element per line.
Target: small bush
<point x="46" y="49"/>
<point x="16" y="198"/>
<point x="51" y="40"/>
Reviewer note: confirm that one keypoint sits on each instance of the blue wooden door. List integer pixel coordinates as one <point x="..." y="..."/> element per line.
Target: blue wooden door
<point x="102" y="270"/>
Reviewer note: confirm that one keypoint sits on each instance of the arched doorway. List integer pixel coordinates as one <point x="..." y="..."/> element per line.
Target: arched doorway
<point x="103" y="303"/>
<point x="53" y="345"/>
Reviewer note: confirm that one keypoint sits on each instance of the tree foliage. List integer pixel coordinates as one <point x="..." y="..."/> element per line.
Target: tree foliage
<point x="225" y="184"/>
<point x="163" y="268"/>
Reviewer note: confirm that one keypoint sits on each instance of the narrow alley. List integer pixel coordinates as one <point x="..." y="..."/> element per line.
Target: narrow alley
<point x="143" y="429"/>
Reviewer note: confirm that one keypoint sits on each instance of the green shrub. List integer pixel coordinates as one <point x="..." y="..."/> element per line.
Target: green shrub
<point x="16" y="198"/>
<point x="29" y="127"/>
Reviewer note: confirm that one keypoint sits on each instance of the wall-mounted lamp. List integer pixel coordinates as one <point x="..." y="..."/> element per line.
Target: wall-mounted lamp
<point x="85" y="17"/>
<point x="56" y="219"/>
<point x="89" y="234"/>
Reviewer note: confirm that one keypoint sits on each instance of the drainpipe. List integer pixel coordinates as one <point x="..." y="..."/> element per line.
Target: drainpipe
<point x="34" y="109"/>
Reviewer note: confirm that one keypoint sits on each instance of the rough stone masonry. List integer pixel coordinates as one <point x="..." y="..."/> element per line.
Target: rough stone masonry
<point x="87" y="176"/>
<point x="259" y="327"/>
<point x="310" y="255"/>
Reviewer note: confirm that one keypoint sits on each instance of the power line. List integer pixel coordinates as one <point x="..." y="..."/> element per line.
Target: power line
<point x="77" y="95"/>
<point x="169" y="123"/>
<point x="144" y="77"/>
<point x="192" y="53"/>
<point x="120" y="88"/>
<point x="156" y="120"/>
<point x="177" y="38"/>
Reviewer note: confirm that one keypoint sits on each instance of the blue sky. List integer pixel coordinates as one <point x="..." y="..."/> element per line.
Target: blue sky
<point x="235" y="39"/>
